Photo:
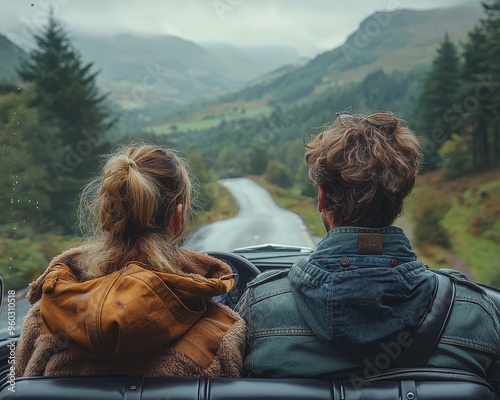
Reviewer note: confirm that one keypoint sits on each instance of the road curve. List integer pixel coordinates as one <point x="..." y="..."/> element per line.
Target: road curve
<point x="258" y="221"/>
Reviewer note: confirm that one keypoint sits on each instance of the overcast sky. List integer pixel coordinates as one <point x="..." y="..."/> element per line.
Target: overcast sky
<point x="310" y="26"/>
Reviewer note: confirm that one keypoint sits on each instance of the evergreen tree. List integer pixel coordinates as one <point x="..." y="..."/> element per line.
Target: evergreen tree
<point x="476" y="97"/>
<point x="437" y="102"/>
<point x="68" y="98"/>
<point x="492" y="28"/>
<point x="24" y="187"/>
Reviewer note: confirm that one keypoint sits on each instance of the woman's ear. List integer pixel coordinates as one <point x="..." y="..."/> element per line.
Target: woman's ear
<point x="177" y="220"/>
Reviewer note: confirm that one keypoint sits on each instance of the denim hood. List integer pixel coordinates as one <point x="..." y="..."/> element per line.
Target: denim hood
<point x="361" y="285"/>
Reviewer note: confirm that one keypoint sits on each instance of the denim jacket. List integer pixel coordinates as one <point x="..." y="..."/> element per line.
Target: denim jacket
<point x="352" y="305"/>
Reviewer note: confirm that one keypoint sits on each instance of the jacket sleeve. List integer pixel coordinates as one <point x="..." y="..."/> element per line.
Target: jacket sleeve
<point x="27" y="342"/>
<point x="231" y="352"/>
<point x="36" y="346"/>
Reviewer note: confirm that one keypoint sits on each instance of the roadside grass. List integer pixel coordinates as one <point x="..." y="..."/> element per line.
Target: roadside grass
<point x="472" y="223"/>
<point x="23" y="259"/>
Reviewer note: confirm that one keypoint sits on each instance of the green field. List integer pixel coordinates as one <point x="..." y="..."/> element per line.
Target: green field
<point x="197" y="123"/>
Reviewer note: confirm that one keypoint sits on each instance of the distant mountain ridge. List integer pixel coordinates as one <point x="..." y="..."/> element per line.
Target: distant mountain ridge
<point x="10" y="55"/>
<point x="396" y="40"/>
<point x="175" y="70"/>
<point x="155" y="74"/>
<point x="399" y="40"/>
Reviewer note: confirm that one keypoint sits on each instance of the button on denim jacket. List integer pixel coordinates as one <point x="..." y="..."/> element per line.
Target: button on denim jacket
<point x="346" y="308"/>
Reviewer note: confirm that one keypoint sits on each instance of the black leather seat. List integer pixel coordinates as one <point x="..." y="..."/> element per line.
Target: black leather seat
<point x="421" y="384"/>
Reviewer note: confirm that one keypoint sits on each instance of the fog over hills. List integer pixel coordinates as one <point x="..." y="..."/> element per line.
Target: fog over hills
<point x="397" y="40"/>
<point x="165" y="71"/>
<point x="154" y="74"/>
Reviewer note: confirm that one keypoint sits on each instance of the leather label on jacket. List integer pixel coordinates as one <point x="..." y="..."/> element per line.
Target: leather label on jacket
<point x="369" y="243"/>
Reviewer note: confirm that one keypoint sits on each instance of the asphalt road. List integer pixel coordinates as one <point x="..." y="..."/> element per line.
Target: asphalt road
<point x="260" y="220"/>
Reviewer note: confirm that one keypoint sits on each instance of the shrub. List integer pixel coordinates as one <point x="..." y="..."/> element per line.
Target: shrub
<point x="278" y="174"/>
<point x="429" y="208"/>
<point x="23" y="259"/>
<point x="456" y="157"/>
<point x="304" y="183"/>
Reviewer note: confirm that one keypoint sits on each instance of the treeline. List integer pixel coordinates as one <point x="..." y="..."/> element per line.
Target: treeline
<point x="55" y="125"/>
<point x="274" y="145"/>
<point x="459" y="110"/>
<point x="453" y="105"/>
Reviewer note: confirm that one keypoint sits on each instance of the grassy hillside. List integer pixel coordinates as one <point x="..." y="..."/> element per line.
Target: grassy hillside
<point x="212" y="116"/>
<point x="155" y="73"/>
<point x="391" y="41"/>
<point x="469" y="217"/>
<point x="456" y="224"/>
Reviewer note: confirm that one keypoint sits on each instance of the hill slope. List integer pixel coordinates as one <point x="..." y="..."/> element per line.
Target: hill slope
<point x="398" y="40"/>
<point x="164" y="71"/>
<point x="401" y="39"/>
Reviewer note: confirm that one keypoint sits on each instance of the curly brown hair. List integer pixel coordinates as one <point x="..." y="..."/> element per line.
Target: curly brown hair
<point x="366" y="165"/>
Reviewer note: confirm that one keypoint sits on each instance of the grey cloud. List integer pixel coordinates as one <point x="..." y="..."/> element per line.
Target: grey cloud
<point x="309" y="26"/>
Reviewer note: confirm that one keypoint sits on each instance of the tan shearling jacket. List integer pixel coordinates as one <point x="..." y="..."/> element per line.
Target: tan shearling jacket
<point x="135" y="321"/>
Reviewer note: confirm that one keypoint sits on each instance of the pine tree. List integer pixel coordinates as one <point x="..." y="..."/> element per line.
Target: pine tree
<point x="492" y="29"/>
<point x="437" y="102"/>
<point x="476" y="97"/>
<point x="24" y="194"/>
<point x="67" y="97"/>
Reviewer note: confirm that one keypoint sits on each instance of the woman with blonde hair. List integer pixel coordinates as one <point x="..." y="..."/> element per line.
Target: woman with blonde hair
<point x="132" y="300"/>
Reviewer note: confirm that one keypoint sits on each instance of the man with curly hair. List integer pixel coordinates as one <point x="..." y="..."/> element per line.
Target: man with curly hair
<point x="352" y="306"/>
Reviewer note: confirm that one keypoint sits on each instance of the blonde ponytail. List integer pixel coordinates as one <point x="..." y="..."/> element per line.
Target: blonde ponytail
<point x="128" y="210"/>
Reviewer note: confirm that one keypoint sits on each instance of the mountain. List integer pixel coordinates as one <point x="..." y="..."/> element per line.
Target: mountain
<point x="400" y="40"/>
<point x="10" y="54"/>
<point x="161" y="71"/>
<point x="162" y="78"/>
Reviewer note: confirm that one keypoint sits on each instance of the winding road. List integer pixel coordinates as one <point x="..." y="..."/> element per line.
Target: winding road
<point x="259" y="221"/>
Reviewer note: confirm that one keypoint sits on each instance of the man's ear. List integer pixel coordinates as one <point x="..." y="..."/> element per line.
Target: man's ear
<point x="321" y="198"/>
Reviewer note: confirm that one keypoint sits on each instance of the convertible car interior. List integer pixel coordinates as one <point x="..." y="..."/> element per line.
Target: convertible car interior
<point x="391" y="384"/>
